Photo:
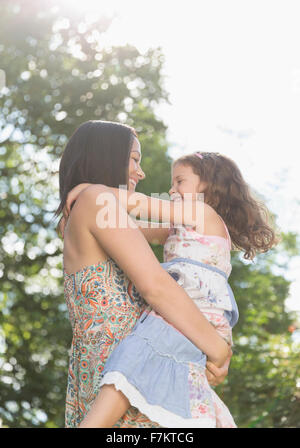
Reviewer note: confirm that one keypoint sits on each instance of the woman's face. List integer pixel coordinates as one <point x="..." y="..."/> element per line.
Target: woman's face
<point x="135" y="172"/>
<point x="184" y="180"/>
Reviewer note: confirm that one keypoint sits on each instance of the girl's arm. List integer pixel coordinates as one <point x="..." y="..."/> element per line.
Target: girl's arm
<point x="127" y="246"/>
<point x="186" y="212"/>
<point x="154" y="232"/>
<point x="139" y="205"/>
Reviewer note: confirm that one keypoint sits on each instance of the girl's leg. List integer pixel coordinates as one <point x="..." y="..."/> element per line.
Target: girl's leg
<point x="107" y="409"/>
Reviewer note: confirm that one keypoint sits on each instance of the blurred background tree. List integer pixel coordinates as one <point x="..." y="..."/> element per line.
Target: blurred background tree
<point x="262" y="388"/>
<point x="58" y="75"/>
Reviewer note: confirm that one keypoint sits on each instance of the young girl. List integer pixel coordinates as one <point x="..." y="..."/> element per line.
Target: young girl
<point x="156" y="368"/>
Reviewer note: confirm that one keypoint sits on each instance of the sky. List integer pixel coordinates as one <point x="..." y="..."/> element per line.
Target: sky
<point x="232" y="69"/>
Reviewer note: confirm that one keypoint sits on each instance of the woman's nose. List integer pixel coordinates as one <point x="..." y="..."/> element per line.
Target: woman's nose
<point x="141" y="174"/>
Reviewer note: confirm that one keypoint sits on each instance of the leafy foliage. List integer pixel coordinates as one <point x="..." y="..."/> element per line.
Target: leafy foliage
<point x="260" y="389"/>
<point x="50" y="91"/>
<point x="59" y="75"/>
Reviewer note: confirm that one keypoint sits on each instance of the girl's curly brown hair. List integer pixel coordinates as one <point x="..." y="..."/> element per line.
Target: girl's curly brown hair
<point x="250" y="223"/>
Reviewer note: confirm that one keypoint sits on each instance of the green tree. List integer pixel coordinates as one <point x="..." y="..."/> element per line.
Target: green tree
<point x="261" y="388"/>
<point x="57" y="76"/>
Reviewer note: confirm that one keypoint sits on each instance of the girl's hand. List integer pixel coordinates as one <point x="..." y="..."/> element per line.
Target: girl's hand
<point x="72" y="196"/>
<point x="216" y="375"/>
<point x="61" y="225"/>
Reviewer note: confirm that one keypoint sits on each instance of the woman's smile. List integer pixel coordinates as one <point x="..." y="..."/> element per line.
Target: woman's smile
<point x="133" y="181"/>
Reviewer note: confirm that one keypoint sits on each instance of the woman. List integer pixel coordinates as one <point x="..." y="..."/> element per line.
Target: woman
<point x="100" y="269"/>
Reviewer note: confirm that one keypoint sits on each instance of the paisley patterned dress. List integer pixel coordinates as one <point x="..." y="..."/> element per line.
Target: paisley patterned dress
<point x="103" y="308"/>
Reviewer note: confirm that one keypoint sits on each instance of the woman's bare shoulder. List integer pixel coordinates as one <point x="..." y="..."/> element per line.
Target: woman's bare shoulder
<point x="84" y="210"/>
<point x="89" y="198"/>
<point x="80" y="246"/>
<point x="93" y="190"/>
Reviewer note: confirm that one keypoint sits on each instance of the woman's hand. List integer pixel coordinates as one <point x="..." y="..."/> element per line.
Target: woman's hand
<point x="216" y="375"/>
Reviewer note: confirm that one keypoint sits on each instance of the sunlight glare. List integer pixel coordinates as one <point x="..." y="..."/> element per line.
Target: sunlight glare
<point x="100" y="7"/>
<point x="130" y="22"/>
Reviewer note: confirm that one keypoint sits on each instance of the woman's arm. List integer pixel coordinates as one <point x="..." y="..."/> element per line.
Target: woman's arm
<point x="127" y="246"/>
<point x="154" y="232"/>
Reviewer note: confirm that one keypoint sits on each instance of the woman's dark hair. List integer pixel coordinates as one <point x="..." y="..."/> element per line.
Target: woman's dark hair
<point x="98" y="152"/>
<point x="250" y="223"/>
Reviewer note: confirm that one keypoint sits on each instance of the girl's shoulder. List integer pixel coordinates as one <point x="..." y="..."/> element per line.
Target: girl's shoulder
<point x="212" y="223"/>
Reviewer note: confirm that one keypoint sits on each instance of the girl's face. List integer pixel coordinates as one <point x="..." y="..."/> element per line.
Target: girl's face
<point x="135" y="172"/>
<point x="184" y="180"/>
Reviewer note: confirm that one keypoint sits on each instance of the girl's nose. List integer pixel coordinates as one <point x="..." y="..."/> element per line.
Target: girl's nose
<point x="171" y="191"/>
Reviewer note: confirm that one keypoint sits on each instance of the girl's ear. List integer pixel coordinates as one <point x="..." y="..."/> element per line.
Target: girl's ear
<point x="202" y="187"/>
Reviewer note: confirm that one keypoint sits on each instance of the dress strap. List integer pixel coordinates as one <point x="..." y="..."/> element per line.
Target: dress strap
<point x="227" y="233"/>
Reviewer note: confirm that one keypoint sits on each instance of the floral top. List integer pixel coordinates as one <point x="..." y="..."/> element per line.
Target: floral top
<point x="184" y="242"/>
<point x="200" y="264"/>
